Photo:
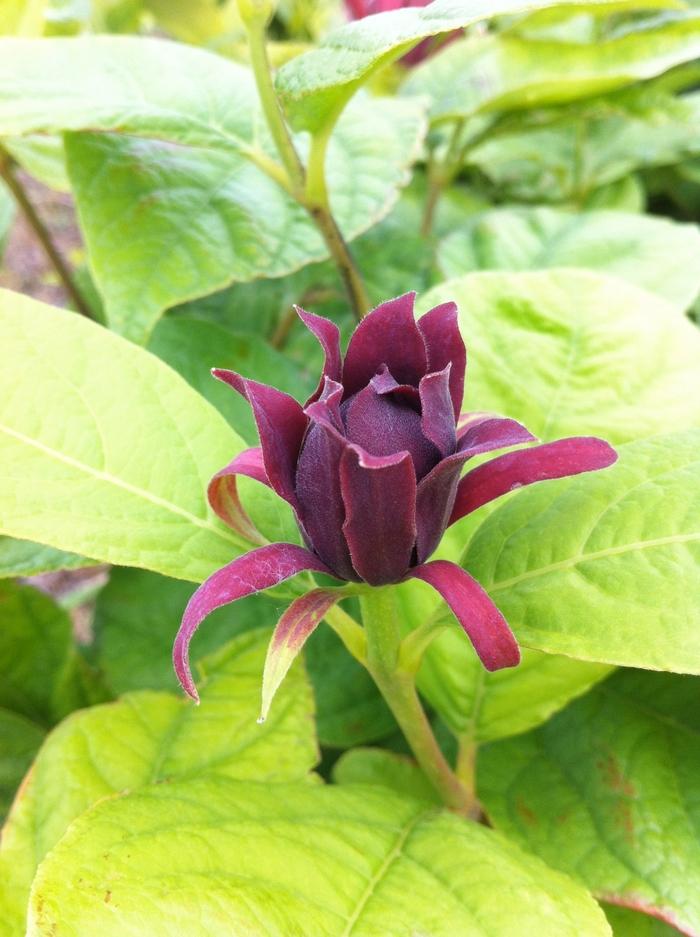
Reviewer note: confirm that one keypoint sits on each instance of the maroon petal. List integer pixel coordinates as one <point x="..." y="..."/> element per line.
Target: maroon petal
<point x="435" y="499"/>
<point x="379" y="493"/>
<point x="223" y="492"/>
<point x="328" y="335"/>
<point x="260" y="569"/>
<point x="384" y="424"/>
<point x="516" y="469"/>
<point x="484" y="432"/>
<point x="444" y="345"/>
<point x="294" y="627"/>
<point x="321" y="508"/>
<point x="487" y="629"/>
<point x="383" y="383"/>
<point x="281" y="424"/>
<point x="388" y="335"/>
<point x="438" y="419"/>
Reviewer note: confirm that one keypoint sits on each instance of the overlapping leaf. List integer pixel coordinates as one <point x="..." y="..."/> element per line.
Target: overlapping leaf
<point x="605" y="567"/>
<point x="608" y="791"/>
<point x="80" y="476"/>
<point x="166" y="223"/>
<point x="24" y="558"/>
<point x="150" y="738"/>
<point x="654" y="253"/>
<point x="327" y="861"/>
<point x="317" y="85"/>
<point x="506" y="72"/>
<point x="570" y="353"/>
<point x="565" y="156"/>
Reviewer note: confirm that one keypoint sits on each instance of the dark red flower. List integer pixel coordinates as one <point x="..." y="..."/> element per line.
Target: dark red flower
<point x="371" y="466"/>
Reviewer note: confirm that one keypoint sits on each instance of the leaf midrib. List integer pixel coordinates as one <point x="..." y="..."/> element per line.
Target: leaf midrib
<point x="118" y="483"/>
<point x="591" y="557"/>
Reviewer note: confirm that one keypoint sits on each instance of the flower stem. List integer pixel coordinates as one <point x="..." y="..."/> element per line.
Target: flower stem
<point x="14" y="184"/>
<point x="271" y="106"/>
<point x="307" y="188"/>
<point x="318" y="204"/>
<point x="397" y="686"/>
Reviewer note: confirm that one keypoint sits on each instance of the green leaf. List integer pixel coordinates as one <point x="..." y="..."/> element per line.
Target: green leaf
<point x="569" y="353"/>
<point x="227" y="857"/>
<point x="604" y="567"/>
<point x="479" y="706"/>
<point x="107" y="452"/>
<point x="627" y="923"/>
<point x="384" y="768"/>
<point x="150" y="738"/>
<point x="600" y="365"/>
<point x="507" y="72"/>
<point x="564" y="155"/>
<point x="656" y="254"/>
<point x="317" y="85"/>
<point x="20" y="739"/>
<point x="608" y="791"/>
<point x="193" y="346"/>
<point x="165" y="224"/>
<point x="24" y="558"/>
<point x="40" y="669"/>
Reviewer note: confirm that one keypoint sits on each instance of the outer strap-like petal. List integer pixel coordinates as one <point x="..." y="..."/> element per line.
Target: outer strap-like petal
<point x="388" y="335"/>
<point x="328" y="335"/>
<point x="516" y="469"/>
<point x="292" y="630"/>
<point x="438" y="419"/>
<point x="484" y="432"/>
<point x="260" y="569"/>
<point x="223" y="492"/>
<point x="437" y="492"/>
<point x="486" y="627"/>
<point x="281" y="424"/>
<point x="379" y="493"/>
<point x="444" y="345"/>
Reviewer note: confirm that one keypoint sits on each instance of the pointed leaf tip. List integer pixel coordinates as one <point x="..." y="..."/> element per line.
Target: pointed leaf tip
<point x="294" y="627"/>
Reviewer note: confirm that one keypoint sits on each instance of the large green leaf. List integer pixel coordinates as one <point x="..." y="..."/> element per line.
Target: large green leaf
<point x="609" y="792"/>
<point x="150" y="738"/>
<point x="569" y="352"/>
<point x="654" y="253"/>
<point x="316" y="86"/>
<point x="40" y="669"/>
<point x="24" y="558"/>
<point x="604" y="567"/>
<point x="566" y="154"/>
<point x="215" y="856"/>
<point x="104" y="450"/>
<point x="479" y="706"/>
<point x="506" y="72"/>
<point x="166" y="223"/>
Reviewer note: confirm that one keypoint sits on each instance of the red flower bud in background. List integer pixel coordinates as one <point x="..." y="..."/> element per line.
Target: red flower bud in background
<point x="371" y="466"/>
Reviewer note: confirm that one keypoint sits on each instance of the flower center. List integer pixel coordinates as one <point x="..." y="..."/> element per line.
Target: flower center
<point x="383" y="425"/>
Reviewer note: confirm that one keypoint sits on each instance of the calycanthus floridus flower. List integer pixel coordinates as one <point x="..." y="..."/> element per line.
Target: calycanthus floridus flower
<point x="372" y="467"/>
